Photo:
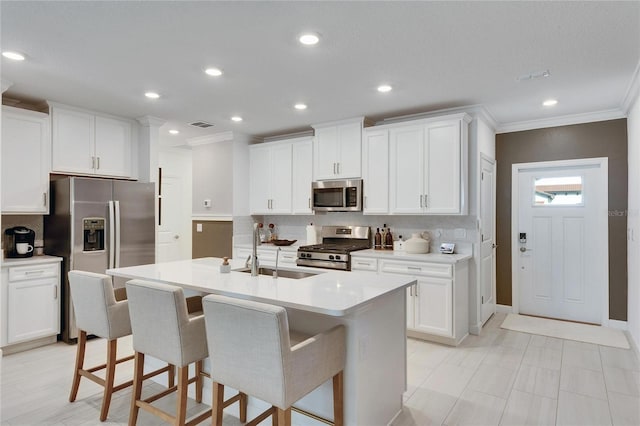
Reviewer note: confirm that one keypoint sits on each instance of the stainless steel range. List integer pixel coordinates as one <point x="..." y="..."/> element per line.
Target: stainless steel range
<point x="337" y="243"/>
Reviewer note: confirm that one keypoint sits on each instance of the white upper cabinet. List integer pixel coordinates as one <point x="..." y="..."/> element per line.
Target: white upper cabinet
<point x="270" y="180"/>
<point x="84" y="142"/>
<point x="337" y="150"/>
<point x="375" y="171"/>
<point x="428" y="166"/>
<point x="302" y="176"/>
<point x="25" y="161"/>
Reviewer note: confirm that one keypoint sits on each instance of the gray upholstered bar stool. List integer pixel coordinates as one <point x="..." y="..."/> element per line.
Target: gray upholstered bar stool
<point x="102" y="311"/>
<point x="252" y="350"/>
<point x="163" y="329"/>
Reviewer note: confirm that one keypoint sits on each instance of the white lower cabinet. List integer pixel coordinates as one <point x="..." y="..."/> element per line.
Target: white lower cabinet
<point x="30" y="302"/>
<point x="267" y="255"/>
<point x="437" y="305"/>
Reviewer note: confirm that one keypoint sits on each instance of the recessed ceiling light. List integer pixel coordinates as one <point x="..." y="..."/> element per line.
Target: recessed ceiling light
<point x="13" y="55"/>
<point x="300" y="106"/>
<point x="236" y="118"/>
<point x="215" y="72"/>
<point x="174" y="131"/>
<point x="384" y="88"/>
<point x="309" y="39"/>
<point x="152" y="95"/>
<point x="550" y="102"/>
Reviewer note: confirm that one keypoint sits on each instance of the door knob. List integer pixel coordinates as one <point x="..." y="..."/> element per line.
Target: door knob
<point x="524" y="249"/>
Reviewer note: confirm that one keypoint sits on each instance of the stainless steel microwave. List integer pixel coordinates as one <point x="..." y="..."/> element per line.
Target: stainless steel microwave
<point x="337" y="195"/>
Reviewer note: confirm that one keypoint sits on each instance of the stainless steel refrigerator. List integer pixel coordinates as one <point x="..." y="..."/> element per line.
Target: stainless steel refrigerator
<point x="96" y="224"/>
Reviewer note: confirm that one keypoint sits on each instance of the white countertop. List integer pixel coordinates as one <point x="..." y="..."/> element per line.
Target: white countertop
<point x="402" y="255"/>
<point x="335" y="293"/>
<point x="33" y="260"/>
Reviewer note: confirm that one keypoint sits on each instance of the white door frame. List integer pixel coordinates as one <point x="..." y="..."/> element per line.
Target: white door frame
<point x="603" y="163"/>
<point x="493" y="161"/>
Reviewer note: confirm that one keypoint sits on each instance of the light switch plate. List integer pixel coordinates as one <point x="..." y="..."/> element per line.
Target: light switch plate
<point x="198" y="227"/>
<point x="207" y="203"/>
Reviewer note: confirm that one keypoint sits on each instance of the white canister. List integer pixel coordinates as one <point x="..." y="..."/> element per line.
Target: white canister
<point x="416" y="244"/>
<point x="312" y="234"/>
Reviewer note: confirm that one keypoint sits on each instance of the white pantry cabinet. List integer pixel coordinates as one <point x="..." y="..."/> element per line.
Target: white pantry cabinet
<point x="25" y="161"/>
<point x="30" y="300"/>
<point x="375" y="171"/>
<point x="88" y="143"/>
<point x="428" y="166"/>
<point x="337" y="150"/>
<point x="270" y="188"/>
<point x="302" y="175"/>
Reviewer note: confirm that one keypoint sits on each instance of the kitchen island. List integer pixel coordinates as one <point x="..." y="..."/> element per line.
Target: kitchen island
<point x="372" y="307"/>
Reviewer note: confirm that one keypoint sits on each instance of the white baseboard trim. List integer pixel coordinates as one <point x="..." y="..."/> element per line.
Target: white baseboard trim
<point x="617" y="325"/>
<point x="475" y="329"/>
<point x="504" y="309"/>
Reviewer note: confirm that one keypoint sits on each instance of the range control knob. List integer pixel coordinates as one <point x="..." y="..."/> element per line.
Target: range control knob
<point x="330" y="257"/>
<point x="337" y="257"/>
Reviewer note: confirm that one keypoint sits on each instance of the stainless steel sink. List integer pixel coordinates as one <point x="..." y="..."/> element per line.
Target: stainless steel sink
<point x="284" y="273"/>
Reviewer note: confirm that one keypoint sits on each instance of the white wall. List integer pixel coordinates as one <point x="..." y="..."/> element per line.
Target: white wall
<point x="213" y="179"/>
<point x="633" y="222"/>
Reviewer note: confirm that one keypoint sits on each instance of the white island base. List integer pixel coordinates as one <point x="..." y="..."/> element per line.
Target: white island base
<point x="372" y="308"/>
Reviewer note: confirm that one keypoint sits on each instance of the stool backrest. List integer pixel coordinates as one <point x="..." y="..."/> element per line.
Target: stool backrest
<point x="158" y="320"/>
<point x="248" y="345"/>
<point x="94" y="302"/>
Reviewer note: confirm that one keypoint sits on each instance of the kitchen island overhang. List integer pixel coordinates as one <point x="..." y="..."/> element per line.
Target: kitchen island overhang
<point x="371" y="306"/>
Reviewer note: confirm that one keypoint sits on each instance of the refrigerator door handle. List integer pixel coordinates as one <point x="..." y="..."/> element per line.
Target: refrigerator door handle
<point x="112" y="233"/>
<point x="117" y="246"/>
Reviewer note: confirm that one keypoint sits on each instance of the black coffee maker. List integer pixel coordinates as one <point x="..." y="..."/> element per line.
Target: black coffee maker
<point x="21" y="241"/>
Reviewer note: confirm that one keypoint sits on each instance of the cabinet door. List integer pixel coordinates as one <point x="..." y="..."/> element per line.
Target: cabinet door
<point x="349" y="151"/>
<point x="302" y="176"/>
<point x="442" y="170"/>
<point x="406" y="169"/>
<point x="375" y="172"/>
<point x="25" y="161"/>
<point x="434" y="306"/>
<point x="33" y="309"/>
<point x="72" y="149"/>
<point x="260" y="179"/>
<point x="113" y="147"/>
<point x="325" y="149"/>
<point x="281" y="179"/>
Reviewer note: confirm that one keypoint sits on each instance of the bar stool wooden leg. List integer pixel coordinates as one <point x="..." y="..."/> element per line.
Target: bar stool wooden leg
<point x="181" y="403"/>
<point x="171" y="375"/>
<point x="112" y="352"/>
<point x="284" y="416"/>
<point x="338" y="401"/>
<point x="199" y="381"/>
<point x="243" y="407"/>
<point x="82" y="343"/>
<point x="137" y="388"/>
<point x="217" y="404"/>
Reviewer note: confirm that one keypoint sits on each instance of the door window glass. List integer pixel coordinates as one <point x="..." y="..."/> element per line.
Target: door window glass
<point x="558" y="191"/>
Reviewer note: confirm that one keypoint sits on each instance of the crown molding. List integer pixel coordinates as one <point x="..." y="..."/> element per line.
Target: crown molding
<point x="565" y="120"/>
<point x="208" y="139"/>
<point x="151" y="121"/>
<point x="633" y="91"/>
<point x="296" y="135"/>
<point x="473" y="110"/>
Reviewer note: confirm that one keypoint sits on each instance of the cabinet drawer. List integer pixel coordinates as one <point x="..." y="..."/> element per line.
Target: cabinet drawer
<point x="288" y="257"/>
<point x="418" y="269"/>
<point x="21" y="273"/>
<point x="360" y="264"/>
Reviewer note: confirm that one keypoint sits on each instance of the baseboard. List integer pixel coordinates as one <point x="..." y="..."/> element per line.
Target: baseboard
<point x="504" y="309"/>
<point x="617" y="325"/>
<point x="25" y="346"/>
<point x="475" y="329"/>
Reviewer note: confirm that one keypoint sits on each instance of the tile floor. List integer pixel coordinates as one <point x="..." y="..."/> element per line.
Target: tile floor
<point x="501" y="377"/>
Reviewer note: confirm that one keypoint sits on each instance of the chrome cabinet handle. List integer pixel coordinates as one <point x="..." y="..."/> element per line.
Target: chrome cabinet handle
<point x="416" y="289"/>
<point x="338" y="167"/>
<point x="365" y="201"/>
<point x="44" y="199"/>
<point x="411" y="291"/>
<point x="98" y="163"/>
<point x="334" y="168"/>
<point x="421" y="201"/>
<point x="425" y="201"/>
<point x="55" y="292"/>
<point x="93" y="162"/>
<point x="309" y="202"/>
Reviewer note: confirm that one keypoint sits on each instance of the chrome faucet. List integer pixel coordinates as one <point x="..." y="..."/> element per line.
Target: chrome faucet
<point x="253" y="257"/>
<point x="275" y="273"/>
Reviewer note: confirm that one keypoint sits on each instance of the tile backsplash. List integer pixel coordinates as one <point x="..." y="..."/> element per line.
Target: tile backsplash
<point x="460" y="230"/>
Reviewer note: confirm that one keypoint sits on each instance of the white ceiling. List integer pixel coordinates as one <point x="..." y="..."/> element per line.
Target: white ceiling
<point x="105" y="55"/>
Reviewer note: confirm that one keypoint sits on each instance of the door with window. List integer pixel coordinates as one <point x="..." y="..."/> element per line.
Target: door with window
<point x="560" y="239"/>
